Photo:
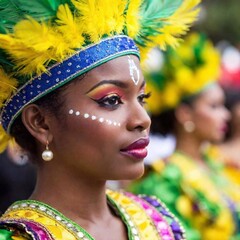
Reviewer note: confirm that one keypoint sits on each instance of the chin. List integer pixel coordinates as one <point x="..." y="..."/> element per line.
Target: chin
<point x="136" y="173"/>
<point x="131" y="173"/>
<point x="216" y="140"/>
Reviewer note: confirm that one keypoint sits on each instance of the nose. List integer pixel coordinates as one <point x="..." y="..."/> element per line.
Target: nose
<point x="227" y="114"/>
<point x="138" y="118"/>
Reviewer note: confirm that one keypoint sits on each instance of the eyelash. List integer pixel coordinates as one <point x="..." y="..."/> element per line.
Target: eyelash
<point x="104" y="101"/>
<point x="117" y="100"/>
<point x="143" y="97"/>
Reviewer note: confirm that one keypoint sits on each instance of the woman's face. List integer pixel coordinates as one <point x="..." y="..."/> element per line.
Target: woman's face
<point x="209" y="115"/>
<point x="104" y="131"/>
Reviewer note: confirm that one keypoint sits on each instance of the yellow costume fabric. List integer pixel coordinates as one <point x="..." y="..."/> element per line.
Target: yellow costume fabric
<point x="144" y="218"/>
<point x="191" y="193"/>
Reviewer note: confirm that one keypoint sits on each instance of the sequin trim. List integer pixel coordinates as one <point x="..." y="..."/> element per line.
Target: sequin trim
<point x="139" y="217"/>
<point x="177" y="228"/>
<point x="49" y="212"/>
<point x="162" y="226"/>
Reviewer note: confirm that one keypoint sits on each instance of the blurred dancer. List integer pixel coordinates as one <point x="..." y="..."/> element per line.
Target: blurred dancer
<point x="228" y="151"/>
<point x="187" y="102"/>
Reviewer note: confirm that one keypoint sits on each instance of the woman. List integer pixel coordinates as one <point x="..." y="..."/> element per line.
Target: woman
<point x="77" y="108"/>
<point x="228" y="151"/>
<point x="194" y="111"/>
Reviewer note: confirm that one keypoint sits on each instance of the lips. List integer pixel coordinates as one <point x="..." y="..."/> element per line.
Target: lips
<point x="224" y="128"/>
<point x="137" y="149"/>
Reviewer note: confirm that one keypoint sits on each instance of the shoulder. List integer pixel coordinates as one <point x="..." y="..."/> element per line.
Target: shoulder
<point x="152" y="211"/>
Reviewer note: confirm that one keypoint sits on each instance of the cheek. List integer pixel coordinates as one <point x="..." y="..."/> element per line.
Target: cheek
<point x="207" y="120"/>
<point x="96" y="119"/>
<point x="91" y="127"/>
<point x="210" y="125"/>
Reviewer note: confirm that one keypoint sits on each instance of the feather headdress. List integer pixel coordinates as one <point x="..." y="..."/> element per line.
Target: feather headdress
<point x="36" y="40"/>
<point x="176" y="74"/>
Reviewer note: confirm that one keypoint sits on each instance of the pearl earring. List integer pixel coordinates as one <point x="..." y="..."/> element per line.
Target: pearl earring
<point x="189" y="126"/>
<point x="47" y="155"/>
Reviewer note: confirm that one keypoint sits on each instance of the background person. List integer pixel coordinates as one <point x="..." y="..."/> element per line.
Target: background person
<point x="187" y="101"/>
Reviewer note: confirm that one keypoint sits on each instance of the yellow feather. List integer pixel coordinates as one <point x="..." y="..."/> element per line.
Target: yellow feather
<point x="33" y="45"/>
<point x="69" y="27"/>
<point x="132" y="18"/>
<point x="177" y="24"/>
<point x="26" y="58"/>
<point x="7" y="86"/>
<point x="101" y="17"/>
<point x="29" y="62"/>
<point x="36" y="35"/>
<point x="41" y="37"/>
<point x="4" y="139"/>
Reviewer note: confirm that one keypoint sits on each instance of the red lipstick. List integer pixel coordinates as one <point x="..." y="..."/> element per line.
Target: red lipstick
<point x="137" y="149"/>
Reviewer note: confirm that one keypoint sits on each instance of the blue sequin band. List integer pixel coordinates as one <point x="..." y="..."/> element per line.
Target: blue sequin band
<point x="61" y="73"/>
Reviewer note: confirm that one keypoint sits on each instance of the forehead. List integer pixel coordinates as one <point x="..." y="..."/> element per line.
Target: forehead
<point x="213" y="93"/>
<point x="116" y="69"/>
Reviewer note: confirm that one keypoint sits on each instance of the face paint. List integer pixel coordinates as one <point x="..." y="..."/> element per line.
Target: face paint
<point x="94" y="118"/>
<point x="133" y="68"/>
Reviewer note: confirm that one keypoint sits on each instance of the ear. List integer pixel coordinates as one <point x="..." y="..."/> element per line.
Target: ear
<point x="37" y="123"/>
<point x="184" y="113"/>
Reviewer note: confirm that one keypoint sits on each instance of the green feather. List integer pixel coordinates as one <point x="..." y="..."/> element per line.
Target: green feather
<point x="41" y="9"/>
<point x="12" y="11"/>
<point x="152" y="11"/>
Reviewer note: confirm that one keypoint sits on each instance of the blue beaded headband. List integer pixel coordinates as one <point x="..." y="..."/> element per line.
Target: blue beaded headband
<point x="61" y="73"/>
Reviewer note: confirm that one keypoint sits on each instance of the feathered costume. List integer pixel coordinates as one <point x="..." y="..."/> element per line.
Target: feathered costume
<point x="44" y="44"/>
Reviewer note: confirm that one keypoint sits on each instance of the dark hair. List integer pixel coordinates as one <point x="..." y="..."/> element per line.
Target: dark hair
<point x="52" y="103"/>
<point x="165" y="122"/>
<point x="232" y="97"/>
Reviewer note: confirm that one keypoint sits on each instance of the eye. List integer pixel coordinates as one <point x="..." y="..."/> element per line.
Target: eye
<point x="111" y="101"/>
<point x="143" y="97"/>
<point x="217" y="105"/>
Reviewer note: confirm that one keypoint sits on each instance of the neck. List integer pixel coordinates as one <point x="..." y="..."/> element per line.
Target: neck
<point x="68" y="194"/>
<point x="188" y="144"/>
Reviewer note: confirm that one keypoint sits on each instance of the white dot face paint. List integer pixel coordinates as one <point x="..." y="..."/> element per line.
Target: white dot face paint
<point x="88" y="116"/>
<point x="134" y="71"/>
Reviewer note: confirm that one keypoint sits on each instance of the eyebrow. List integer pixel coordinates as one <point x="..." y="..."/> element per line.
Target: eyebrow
<point x="114" y="82"/>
